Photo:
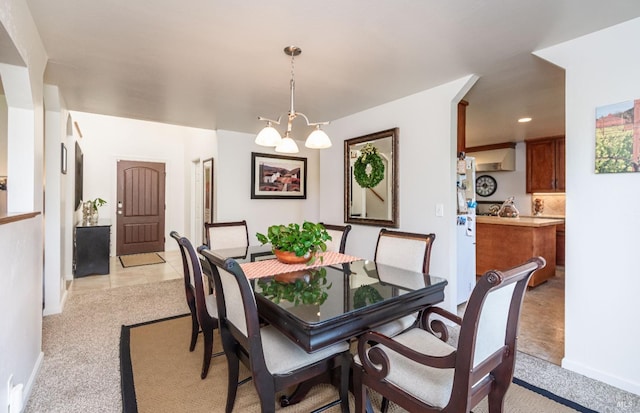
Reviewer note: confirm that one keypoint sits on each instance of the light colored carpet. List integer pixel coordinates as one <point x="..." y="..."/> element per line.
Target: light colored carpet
<point x="167" y="378"/>
<point x="80" y="372"/>
<point x="135" y="260"/>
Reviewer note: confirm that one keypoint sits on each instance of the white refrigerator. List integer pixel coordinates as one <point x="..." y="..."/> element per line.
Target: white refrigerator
<point x="466" y="228"/>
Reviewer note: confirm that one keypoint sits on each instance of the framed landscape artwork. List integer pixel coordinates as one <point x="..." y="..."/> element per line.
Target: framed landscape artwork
<point x="278" y="177"/>
<point x="618" y="137"/>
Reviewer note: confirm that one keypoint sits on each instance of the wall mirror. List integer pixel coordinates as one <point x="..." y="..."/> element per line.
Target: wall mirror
<point x="371" y="179"/>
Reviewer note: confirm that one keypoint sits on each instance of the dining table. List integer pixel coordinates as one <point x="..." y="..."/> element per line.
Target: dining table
<point x="338" y="297"/>
<point x="335" y="298"/>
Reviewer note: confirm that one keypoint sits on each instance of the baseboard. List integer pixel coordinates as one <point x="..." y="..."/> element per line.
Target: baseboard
<point x="610" y="379"/>
<point x="50" y="310"/>
<point x="28" y="388"/>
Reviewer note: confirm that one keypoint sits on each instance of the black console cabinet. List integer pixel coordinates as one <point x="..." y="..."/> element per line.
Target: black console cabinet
<point x="91" y="248"/>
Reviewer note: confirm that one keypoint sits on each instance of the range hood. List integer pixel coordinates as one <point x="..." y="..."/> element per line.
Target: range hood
<point x="495" y="160"/>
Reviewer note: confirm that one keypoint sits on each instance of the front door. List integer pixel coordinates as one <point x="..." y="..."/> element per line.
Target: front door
<point x="140" y="214"/>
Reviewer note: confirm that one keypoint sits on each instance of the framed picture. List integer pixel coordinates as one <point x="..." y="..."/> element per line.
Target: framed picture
<point x="63" y="159"/>
<point x="278" y="177"/>
<point x="79" y="176"/>
<point x="207" y="190"/>
<point x="617" y="139"/>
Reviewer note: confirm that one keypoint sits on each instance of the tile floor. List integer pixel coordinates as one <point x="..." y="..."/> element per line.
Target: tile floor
<point x="541" y="324"/>
<point x="542" y="320"/>
<point x="120" y="276"/>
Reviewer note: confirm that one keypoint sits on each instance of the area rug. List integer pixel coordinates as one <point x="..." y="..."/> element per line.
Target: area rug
<point x="159" y="374"/>
<point x="135" y="260"/>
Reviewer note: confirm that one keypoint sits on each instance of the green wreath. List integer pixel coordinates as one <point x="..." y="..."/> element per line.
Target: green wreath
<point x="369" y="156"/>
<point x="364" y="295"/>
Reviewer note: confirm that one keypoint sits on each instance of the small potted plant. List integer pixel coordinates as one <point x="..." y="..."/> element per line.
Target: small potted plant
<point x="295" y="244"/>
<point x="90" y="209"/>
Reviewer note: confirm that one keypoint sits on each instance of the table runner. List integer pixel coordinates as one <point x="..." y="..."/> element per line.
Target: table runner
<point x="267" y="268"/>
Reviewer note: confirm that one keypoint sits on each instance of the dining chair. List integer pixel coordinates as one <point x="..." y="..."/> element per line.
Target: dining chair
<point x="222" y="235"/>
<point x="203" y="308"/>
<point x="275" y="361"/>
<point x="409" y="251"/>
<point x="339" y="235"/>
<point x="419" y="371"/>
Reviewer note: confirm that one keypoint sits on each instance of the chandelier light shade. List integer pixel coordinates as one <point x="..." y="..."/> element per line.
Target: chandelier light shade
<point x="269" y="136"/>
<point x="287" y="145"/>
<point x="318" y="139"/>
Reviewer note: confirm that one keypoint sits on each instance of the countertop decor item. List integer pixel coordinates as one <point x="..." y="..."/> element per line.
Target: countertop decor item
<point x="508" y="209"/>
<point x="369" y="167"/>
<point x="303" y="241"/>
<point x="538" y="206"/>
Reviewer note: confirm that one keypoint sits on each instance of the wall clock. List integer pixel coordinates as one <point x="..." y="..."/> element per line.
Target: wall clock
<point x="486" y="185"/>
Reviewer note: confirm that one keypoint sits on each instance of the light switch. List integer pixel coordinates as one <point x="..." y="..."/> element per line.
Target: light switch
<point x="439" y="210"/>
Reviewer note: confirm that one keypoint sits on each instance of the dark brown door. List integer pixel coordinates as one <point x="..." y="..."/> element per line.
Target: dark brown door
<point x="140" y="209"/>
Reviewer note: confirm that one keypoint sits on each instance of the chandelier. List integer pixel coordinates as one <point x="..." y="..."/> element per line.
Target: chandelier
<point x="269" y="136"/>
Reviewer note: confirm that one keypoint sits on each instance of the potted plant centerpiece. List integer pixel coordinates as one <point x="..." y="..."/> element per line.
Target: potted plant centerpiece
<point x="295" y="244"/>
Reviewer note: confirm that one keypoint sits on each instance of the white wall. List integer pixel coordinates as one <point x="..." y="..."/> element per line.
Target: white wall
<point x="56" y="203"/>
<point x="427" y="151"/>
<point x="602" y="331"/>
<point x="22" y="242"/>
<point x="3" y="136"/>
<point x="107" y="139"/>
<point x="233" y="186"/>
<point x="20" y="303"/>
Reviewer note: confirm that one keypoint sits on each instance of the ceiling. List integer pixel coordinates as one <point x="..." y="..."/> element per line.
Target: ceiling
<point x="219" y="64"/>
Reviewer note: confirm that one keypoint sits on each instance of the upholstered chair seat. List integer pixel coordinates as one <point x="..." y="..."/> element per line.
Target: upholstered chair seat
<point x="223" y="235"/>
<point x="202" y="304"/>
<point x="338" y="235"/>
<point x="276" y="362"/>
<point x="282" y="355"/>
<point x="421" y="372"/>
<point x="212" y="307"/>
<point x="395" y="327"/>
<point x="409" y="251"/>
<point x="434" y="386"/>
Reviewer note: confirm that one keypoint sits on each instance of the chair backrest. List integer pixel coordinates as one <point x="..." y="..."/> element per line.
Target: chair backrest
<point x="338" y="234"/>
<point x="193" y="276"/>
<point x="407" y="250"/>
<point x="222" y="235"/>
<point x="487" y="342"/>
<point x="237" y="309"/>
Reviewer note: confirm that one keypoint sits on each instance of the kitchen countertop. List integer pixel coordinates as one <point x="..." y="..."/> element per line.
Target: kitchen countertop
<point x="521" y="221"/>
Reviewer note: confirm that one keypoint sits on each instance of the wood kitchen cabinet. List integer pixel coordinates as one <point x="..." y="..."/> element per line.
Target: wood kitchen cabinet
<point x="502" y="243"/>
<point x="462" y="125"/>
<point x="560" y="245"/>
<point x="546" y="164"/>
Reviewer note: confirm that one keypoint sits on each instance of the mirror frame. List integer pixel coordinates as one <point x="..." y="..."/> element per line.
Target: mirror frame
<point x="394" y="221"/>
